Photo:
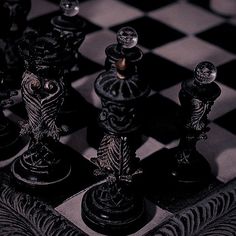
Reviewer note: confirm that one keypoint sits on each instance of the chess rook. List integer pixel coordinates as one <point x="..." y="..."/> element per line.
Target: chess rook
<point x="196" y="96"/>
<point x="43" y="92"/>
<point x="115" y="206"/>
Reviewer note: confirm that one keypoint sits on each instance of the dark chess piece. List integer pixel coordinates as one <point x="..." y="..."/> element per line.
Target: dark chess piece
<point x="116" y="207"/>
<point x="196" y="96"/>
<point x="43" y="164"/>
<point x="127" y="39"/>
<point x="15" y="12"/>
<point x="70" y="28"/>
<point x="10" y="141"/>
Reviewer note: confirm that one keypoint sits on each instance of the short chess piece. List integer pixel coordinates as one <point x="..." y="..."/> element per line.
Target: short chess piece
<point x="10" y="141"/>
<point x="196" y="96"/>
<point x="116" y="207"/>
<point x="71" y="28"/>
<point x="43" y="164"/>
<point x="16" y="11"/>
<point x="126" y="46"/>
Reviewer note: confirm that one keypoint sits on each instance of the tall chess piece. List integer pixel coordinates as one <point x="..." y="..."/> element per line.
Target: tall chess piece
<point x="196" y="96"/>
<point x="70" y="28"/>
<point x="126" y="47"/>
<point x="17" y="13"/>
<point x="115" y="206"/>
<point x="10" y="141"/>
<point x="43" y="164"/>
<point x="127" y="39"/>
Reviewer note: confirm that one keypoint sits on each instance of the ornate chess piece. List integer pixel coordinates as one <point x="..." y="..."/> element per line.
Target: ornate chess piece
<point x="115" y="206"/>
<point x="17" y="14"/>
<point x="127" y="39"/>
<point x="196" y="96"/>
<point x="42" y="90"/>
<point x="70" y="28"/>
<point x="10" y="141"/>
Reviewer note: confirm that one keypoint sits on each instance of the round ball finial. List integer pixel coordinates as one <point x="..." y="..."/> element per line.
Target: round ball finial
<point x="205" y="72"/>
<point x="70" y="7"/>
<point x="127" y="37"/>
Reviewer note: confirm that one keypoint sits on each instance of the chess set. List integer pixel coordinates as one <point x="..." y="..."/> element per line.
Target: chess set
<point x="115" y="114"/>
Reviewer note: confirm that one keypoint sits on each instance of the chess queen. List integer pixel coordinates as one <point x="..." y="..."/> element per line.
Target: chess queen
<point x="42" y="92"/>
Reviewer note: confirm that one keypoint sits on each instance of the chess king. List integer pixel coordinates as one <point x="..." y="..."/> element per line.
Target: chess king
<point x="115" y="206"/>
<point x="196" y="96"/>
<point x="42" y="91"/>
<point x="17" y="11"/>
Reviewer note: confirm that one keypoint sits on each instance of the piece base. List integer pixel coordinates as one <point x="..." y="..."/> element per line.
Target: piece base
<point x="103" y="217"/>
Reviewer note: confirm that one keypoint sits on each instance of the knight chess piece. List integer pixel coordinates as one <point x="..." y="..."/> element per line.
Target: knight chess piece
<point x="43" y="164"/>
<point x="196" y="96"/>
<point x="16" y="11"/>
<point x="115" y="207"/>
<point x="126" y="46"/>
<point x="71" y="28"/>
<point x="10" y="141"/>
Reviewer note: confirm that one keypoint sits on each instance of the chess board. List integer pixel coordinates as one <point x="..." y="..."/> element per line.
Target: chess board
<point x="174" y="36"/>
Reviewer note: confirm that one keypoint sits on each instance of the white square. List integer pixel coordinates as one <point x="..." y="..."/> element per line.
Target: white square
<point x="188" y="18"/>
<point x="107" y="13"/>
<point x="85" y="86"/>
<point x="189" y="51"/>
<point x="95" y="44"/>
<point x="219" y="149"/>
<point x="223" y="104"/>
<point x="39" y="8"/>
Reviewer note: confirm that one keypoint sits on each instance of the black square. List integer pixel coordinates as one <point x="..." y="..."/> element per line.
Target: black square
<point x="161" y="119"/>
<point x="152" y="33"/>
<point x="162" y="73"/>
<point x="205" y="4"/>
<point x="225" y="74"/>
<point x="86" y="67"/>
<point x="43" y="23"/>
<point x="223" y="35"/>
<point x="150" y="5"/>
<point x="227" y="121"/>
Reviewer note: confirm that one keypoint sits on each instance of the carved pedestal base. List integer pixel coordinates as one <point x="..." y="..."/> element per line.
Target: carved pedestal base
<point x="194" y="169"/>
<point x="111" y="210"/>
<point x="41" y="165"/>
<point x="10" y="142"/>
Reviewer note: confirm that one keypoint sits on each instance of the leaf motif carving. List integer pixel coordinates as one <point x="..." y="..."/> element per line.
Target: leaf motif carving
<point x="214" y="216"/>
<point x="22" y="215"/>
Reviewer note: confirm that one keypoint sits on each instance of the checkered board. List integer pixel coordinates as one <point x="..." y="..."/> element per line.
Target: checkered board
<point x="174" y="36"/>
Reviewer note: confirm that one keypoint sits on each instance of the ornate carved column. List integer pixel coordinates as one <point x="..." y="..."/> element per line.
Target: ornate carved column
<point x="196" y="96"/>
<point x="116" y="206"/>
<point x="43" y="92"/>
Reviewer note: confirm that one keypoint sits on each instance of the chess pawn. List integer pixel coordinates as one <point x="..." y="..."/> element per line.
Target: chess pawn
<point x="196" y="96"/>
<point x="17" y="13"/>
<point x="43" y="164"/>
<point x="70" y="27"/>
<point x="127" y="39"/>
<point x="10" y="141"/>
<point x="115" y="206"/>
